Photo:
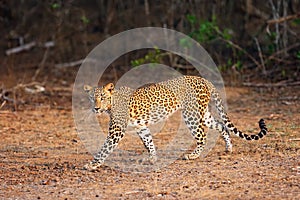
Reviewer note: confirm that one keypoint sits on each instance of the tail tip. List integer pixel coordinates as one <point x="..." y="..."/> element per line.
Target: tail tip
<point x="262" y="124"/>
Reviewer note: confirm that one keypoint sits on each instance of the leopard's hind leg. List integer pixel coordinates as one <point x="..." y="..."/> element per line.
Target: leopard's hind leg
<point x="194" y="122"/>
<point x="214" y="124"/>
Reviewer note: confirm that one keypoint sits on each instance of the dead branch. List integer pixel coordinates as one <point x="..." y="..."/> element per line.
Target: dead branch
<point x="28" y="46"/>
<point x="75" y="63"/>
<point x="37" y="87"/>
<point x="41" y="65"/>
<point x="283" y="19"/>
<point x="3" y="103"/>
<point x="18" y="49"/>
<point x="283" y="50"/>
<point x="260" y="55"/>
<point x="283" y="60"/>
<point x="21" y="85"/>
<point x="70" y="64"/>
<point x="243" y="50"/>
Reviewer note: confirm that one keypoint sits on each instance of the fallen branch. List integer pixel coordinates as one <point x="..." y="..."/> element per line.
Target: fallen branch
<point x="74" y="63"/>
<point x="36" y="87"/>
<point x="66" y="89"/>
<point x="18" y="49"/>
<point x="28" y="46"/>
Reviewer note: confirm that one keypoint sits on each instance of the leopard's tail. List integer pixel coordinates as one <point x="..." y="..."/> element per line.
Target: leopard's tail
<point x="229" y="125"/>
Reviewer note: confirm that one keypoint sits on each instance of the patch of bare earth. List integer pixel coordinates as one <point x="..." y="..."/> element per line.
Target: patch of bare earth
<point x="41" y="157"/>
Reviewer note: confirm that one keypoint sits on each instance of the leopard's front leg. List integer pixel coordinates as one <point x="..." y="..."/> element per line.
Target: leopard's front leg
<point x="116" y="133"/>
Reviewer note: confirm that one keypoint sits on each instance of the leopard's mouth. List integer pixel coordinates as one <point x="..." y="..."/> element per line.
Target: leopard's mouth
<point x="98" y="110"/>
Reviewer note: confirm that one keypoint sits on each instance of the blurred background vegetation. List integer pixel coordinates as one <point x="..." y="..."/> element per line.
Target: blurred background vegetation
<point x="251" y="41"/>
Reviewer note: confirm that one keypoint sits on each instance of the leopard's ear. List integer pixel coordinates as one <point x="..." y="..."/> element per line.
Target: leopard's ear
<point x="87" y="88"/>
<point x="109" y="87"/>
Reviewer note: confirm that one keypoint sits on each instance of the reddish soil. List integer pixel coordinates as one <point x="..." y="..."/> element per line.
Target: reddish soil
<point x="41" y="155"/>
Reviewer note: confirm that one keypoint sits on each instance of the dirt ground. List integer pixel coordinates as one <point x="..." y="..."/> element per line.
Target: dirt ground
<point x="41" y="155"/>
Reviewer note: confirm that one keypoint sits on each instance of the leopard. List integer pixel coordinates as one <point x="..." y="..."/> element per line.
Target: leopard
<point x="155" y="102"/>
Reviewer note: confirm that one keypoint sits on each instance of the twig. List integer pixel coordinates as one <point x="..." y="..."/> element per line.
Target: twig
<point x="260" y="56"/>
<point x="283" y="50"/>
<point x="41" y="65"/>
<point x="243" y="50"/>
<point x="283" y="60"/>
<point x="14" y="100"/>
<point x="21" y="85"/>
<point x="237" y="47"/>
<point x="3" y="103"/>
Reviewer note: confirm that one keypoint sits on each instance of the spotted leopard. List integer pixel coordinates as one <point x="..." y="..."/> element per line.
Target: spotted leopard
<point x="155" y="102"/>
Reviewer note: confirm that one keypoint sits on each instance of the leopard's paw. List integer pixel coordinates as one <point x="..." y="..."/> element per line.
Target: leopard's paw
<point x="228" y="149"/>
<point x="191" y="156"/>
<point x="93" y="166"/>
<point x="151" y="160"/>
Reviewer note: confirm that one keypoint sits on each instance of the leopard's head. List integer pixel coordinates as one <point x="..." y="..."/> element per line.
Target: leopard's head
<point x="100" y="97"/>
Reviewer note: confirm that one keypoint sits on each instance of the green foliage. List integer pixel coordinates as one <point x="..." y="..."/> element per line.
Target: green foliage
<point x="207" y="31"/>
<point x="55" y="5"/>
<point x="153" y="56"/>
<point x="185" y="42"/>
<point x="239" y="65"/>
<point x="203" y="32"/>
<point x="296" y="22"/>
<point x="283" y="73"/>
<point x="192" y="19"/>
<point x="298" y="55"/>
<point x="271" y="47"/>
<point x="84" y="19"/>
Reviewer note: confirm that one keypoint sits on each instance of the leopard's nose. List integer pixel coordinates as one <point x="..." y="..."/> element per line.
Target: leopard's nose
<point x="96" y="110"/>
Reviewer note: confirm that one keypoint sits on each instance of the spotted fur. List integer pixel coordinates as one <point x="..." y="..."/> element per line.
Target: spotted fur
<point x="155" y="102"/>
